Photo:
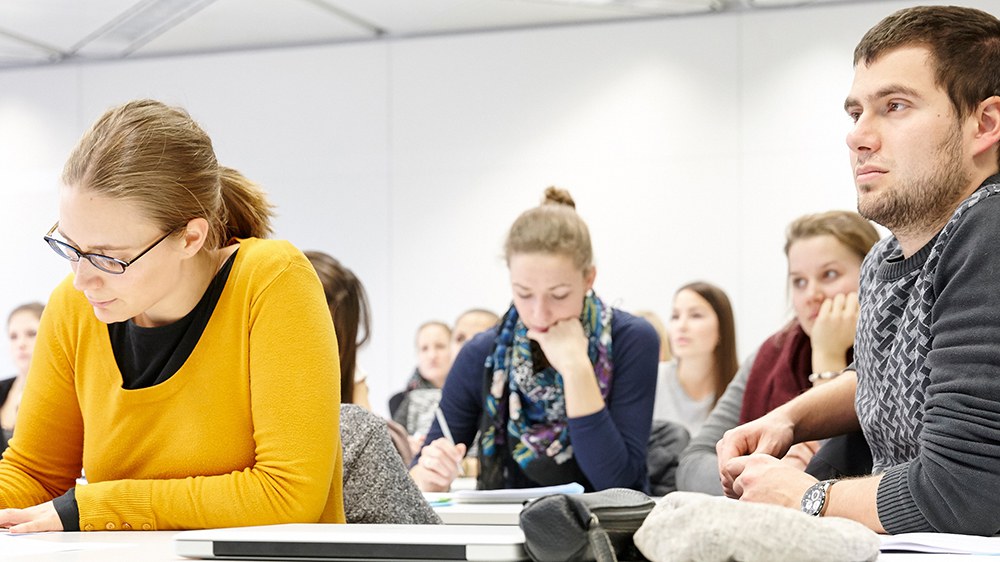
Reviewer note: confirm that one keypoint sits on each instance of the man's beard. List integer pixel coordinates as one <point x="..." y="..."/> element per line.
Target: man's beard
<point x="925" y="202"/>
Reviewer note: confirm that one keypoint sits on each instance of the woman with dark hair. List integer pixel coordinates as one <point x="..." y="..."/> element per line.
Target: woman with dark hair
<point x="824" y="254"/>
<point x="702" y="338"/>
<point x="348" y="302"/>
<point x="562" y="390"/>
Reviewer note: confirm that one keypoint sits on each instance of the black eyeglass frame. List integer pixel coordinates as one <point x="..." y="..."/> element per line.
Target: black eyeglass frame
<point x="66" y="250"/>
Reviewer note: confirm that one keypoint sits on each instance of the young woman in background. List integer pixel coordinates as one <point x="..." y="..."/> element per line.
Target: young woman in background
<point x="824" y="254"/>
<point x="702" y="338"/>
<point x="22" y="328"/>
<point x="562" y="390"/>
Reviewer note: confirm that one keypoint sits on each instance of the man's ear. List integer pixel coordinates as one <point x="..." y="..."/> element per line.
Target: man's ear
<point x="988" y="126"/>
<point x="589" y="276"/>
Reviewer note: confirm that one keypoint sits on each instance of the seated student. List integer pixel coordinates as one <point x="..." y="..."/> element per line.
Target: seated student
<point x="703" y="341"/>
<point x="415" y="410"/>
<point x="563" y="388"/>
<point x="22" y="327"/>
<point x="925" y="106"/>
<point x="348" y="303"/>
<point x="468" y="324"/>
<point x="824" y="254"/>
<point x="182" y="384"/>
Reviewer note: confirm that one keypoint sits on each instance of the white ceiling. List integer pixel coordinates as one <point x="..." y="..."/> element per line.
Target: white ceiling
<point x="35" y="32"/>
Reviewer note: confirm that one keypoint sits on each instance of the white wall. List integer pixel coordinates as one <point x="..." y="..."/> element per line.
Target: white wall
<point x="688" y="144"/>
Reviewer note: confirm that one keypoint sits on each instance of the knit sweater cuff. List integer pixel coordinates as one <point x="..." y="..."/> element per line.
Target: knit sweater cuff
<point x="897" y="511"/>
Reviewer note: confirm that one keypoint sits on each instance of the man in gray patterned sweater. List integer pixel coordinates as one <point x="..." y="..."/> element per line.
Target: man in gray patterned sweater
<point x="925" y="385"/>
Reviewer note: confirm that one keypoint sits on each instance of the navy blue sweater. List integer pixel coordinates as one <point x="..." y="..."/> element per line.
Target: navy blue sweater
<point x="609" y="445"/>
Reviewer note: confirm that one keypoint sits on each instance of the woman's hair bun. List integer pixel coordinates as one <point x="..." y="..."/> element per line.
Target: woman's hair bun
<point x="558" y="196"/>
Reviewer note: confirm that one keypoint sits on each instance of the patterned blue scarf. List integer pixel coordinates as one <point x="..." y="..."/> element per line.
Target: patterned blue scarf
<point x="525" y="405"/>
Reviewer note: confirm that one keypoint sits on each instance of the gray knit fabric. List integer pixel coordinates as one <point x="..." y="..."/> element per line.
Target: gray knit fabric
<point x="698" y="470"/>
<point x="928" y="361"/>
<point x="377" y="487"/>
<point x="687" y="526"/>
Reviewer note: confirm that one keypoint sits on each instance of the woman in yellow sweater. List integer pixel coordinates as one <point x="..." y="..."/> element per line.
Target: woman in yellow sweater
<point x="168" y="365"/>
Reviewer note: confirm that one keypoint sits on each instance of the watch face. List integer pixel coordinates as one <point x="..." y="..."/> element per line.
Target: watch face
<point x="814" y="498"/>
<point x="812" y="505"/>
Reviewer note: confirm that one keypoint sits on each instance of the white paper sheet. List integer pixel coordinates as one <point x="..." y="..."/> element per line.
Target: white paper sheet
<point x="513" y="494"/>
<point x="941" y="543"/>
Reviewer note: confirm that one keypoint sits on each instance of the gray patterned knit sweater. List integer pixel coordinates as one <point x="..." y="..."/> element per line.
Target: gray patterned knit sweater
<point x="928" y="362"/>
<point x="377" y="487"/>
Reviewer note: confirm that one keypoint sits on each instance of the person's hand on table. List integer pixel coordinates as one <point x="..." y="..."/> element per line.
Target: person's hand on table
<point x="438" y="465"/>
<point x="771" y="435"/>
<point x="764" y="479"/>
<point x="799" y="455"/>
<point x="42" y="517"/>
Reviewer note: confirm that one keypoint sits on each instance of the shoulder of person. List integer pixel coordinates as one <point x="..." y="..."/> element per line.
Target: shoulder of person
<point x="625" y="324"/>
<point x="267" y="257"/>
<point x="978" y="211"/>
<point x="481" y="343"/>
<point x="270" y="251"/>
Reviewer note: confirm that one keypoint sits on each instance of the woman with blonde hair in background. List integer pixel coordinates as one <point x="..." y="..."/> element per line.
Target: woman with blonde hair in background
<point x="22" y="328"/>
<point x="414" y="407"/>
<point x="824" y="253"/>
<point x="661" y="332"/>
<point x="167" y="364"/>
<point x="562" y="390"/>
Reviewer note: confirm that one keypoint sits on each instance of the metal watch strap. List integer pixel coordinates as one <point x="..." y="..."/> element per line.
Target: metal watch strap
<point x="823" y="376"/>
<point x="814" y="499"/>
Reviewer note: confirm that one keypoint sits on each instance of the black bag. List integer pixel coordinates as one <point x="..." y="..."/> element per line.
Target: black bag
<point x="592" y="527"/>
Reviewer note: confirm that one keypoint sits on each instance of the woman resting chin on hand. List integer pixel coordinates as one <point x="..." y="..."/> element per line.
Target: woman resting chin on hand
<point x="548" y="370"/>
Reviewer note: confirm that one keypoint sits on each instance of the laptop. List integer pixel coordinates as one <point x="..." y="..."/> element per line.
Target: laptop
<point x="322" y="541"/>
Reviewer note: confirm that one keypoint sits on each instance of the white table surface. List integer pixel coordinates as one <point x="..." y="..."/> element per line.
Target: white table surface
<point x="157" y="546"/>
<point x="152" y="546"/>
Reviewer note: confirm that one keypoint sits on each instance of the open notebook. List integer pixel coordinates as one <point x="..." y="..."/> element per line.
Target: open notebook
<point x="355" y="542"/>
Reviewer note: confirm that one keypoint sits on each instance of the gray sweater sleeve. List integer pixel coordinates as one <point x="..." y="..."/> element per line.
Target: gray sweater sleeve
<point x="699" y="466"/>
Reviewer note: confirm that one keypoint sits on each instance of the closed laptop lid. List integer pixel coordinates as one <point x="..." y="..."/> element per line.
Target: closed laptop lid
<point x="355" y="542"/>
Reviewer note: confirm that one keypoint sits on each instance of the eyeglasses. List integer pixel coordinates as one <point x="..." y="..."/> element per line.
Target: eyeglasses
<point x="106" y="264"/>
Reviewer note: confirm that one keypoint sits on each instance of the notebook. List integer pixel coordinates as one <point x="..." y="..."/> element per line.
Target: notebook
<point x="479" y="513"/>
<point x="355" y="542"/>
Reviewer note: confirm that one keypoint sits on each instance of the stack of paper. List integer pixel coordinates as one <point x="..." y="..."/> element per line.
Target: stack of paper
<point x="941" y="543"/>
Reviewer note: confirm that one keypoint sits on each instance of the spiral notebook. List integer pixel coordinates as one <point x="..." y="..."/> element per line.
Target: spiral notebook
<point x="355" y="542"/>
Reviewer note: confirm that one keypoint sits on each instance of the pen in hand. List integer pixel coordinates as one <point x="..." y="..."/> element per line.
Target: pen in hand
<point x="443" y="424"/>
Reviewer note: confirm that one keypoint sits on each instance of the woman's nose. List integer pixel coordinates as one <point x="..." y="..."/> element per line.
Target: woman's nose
<point x="816" y="293"/>
<point x="85" y="275"/>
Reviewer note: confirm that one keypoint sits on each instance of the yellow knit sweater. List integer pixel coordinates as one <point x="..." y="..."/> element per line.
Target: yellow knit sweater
<point x="244" y="433"/>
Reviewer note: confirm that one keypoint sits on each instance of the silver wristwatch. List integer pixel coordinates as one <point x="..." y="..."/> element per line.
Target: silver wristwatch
<point x="814" y="499"/>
